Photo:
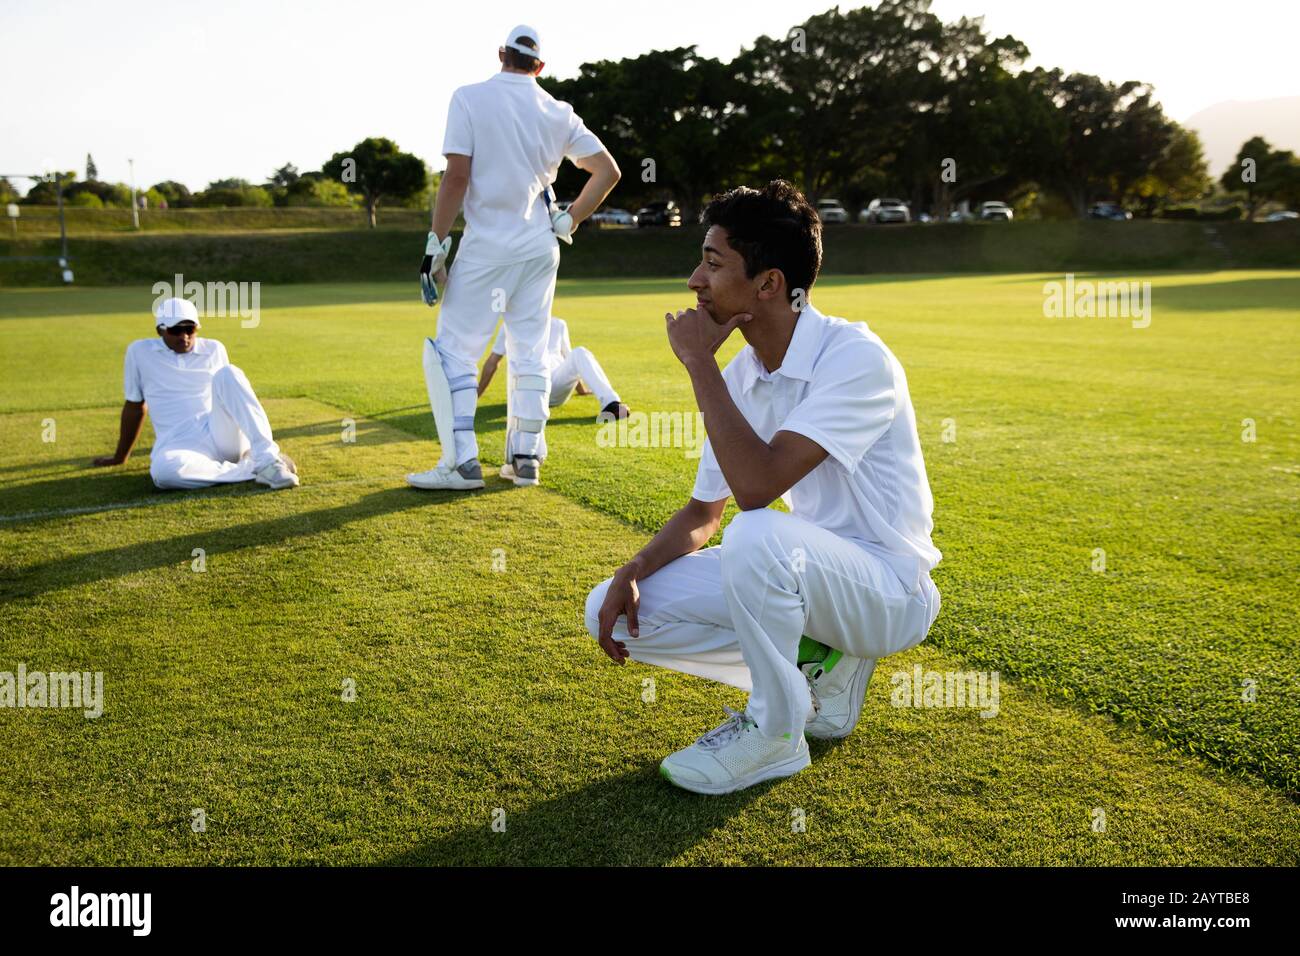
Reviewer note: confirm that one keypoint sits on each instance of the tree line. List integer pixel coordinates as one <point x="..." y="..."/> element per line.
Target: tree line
<point x="892" y="101"/>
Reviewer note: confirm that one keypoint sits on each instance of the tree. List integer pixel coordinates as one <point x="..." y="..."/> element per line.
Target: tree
<point x="376" y="170"/>
<point x="316" y="189"/>
<point x="7" y="192"/>
<point x="671" y="115"/>
<point x="284" y="177"/>
<point x="45" y="191"/>
<point x="1181" y="174"/>
<point x="176" y="194"/>
<point x="92" y="173"/>
<point x="232" y="192"/>
<point x="1106" y="136"/>
<point x="1263" y="174"/>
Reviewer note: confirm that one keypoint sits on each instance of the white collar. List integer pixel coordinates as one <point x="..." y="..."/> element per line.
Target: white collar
<point x="799" y="355"/>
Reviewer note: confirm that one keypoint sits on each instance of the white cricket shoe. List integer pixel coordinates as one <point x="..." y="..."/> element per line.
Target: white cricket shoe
<point x="838" y="686"/>
<point x="281" y="473"/>
<point x="465" y="477"/>
<point x="734" y="756"/>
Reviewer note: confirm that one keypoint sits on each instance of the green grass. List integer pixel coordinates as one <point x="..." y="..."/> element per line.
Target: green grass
<point x="476" y="689"/>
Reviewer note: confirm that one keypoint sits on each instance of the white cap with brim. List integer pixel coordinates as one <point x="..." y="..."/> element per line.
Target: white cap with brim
<point x="175" y="311"/>
<point x="524" y="31"/>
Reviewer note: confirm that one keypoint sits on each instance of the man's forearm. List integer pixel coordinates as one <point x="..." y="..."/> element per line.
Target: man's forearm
<point x="743" y="457"/>
<point x="451" y="196"/>
<point x="129" y="429"/>
<point x="599" y="185"/>
<point x="684" y="533"/>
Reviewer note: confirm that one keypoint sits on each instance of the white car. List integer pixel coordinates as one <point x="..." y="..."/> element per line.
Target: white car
<point x="885" y="210"/>
<point x="613" y="217"/>
<point x="1282" y="216"/>
<point x="832" y="211"/>
<point x="995" y="212"/>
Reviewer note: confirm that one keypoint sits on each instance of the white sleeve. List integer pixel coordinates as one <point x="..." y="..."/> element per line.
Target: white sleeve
<point x="849" y="405"/>
<point x="710" y="485"/>
<point x="499" y="346"/>
<point x="582" y="142"/>
<point x="459" y="138"/>
<point x="132" y="384"/>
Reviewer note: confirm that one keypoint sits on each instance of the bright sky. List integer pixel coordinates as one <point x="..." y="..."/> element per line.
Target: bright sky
<point x="197" y="91"/>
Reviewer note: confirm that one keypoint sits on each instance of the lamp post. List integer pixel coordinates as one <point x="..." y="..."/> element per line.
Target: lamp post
<point x="135" y="206"/>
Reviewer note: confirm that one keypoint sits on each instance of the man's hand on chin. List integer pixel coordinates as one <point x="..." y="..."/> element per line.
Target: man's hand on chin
<point x="695" y="335"/>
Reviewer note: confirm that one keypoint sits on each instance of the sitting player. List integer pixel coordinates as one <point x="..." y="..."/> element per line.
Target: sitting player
<point x="209" y="426"/>
<point x="571" y="370"/>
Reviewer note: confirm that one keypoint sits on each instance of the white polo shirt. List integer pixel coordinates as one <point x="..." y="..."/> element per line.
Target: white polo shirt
<point x="177" y="388"/>
<point x="557" y="345"/>
<point x="842" y="387"/>
<point x="517" y="135"/>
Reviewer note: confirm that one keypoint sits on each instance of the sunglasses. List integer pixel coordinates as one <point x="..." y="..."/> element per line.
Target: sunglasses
<point x="181" y="330"/>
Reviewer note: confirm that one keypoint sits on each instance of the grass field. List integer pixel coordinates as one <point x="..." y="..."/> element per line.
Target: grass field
<point x="477" y="688"/>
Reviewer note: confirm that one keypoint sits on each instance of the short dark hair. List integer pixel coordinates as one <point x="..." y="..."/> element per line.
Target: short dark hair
<point x="772" y="228"/>
<point x="521" y="61"/>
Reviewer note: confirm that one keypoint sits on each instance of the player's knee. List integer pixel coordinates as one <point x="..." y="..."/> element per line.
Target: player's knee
<point x="229" y="375"/>
<point x="166" y="472"/>
<point x="594" y="600"/>
<point x="749" y="532"/>
<point x="582" y="351"/>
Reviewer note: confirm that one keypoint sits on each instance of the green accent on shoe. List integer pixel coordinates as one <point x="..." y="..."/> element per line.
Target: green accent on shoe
<point x="810" y="650"/>
<point x="832" y="659"/>
<point x="663" y="772"/>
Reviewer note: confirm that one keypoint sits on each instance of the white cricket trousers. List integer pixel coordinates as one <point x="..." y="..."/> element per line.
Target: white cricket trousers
<point x="735" y="613"/>
<point x="476" y="295"/>
<point x="213" y="452"/>
<point x="581" y="366"/>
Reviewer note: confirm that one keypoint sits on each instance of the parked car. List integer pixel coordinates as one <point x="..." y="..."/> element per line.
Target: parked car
<point x="832" y="211"/>
<point x="662" y="212"/>
<point x="613" y="217"/>
<point x="885" y="210"/>
<point x="995" y="212"/>
<point x="1282" y="216"/>
<point x="1108" y="210"/>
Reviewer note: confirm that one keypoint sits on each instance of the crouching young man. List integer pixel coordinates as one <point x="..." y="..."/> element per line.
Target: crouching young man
<point x="209" y="427"/>
<point x="795" y="608"/>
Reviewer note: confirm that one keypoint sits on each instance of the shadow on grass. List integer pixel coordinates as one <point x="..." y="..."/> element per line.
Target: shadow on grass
<point x="74" y="570"/>
<point x="636" y="819"/>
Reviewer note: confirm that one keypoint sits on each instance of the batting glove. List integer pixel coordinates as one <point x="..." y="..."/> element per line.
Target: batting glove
<point x="435" y="256"/>
<point x="562" y="226"/>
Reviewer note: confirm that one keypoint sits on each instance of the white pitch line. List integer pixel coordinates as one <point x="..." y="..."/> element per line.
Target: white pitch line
<point x="178" y="499"/>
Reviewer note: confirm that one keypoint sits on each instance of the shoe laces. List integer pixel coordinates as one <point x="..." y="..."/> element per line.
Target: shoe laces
<point x="723" y="734"/>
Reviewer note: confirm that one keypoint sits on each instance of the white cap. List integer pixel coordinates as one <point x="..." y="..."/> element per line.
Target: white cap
<point x="520" y="32"/>
<point x="175" y="311"/>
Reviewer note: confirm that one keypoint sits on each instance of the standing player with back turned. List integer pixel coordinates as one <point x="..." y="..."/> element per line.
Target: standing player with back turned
<point x="506" y="138"/>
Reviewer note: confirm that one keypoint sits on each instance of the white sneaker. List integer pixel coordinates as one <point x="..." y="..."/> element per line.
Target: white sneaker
<point x="734" y="756"/>
<point x="281" y="473"/>
<point x="507" y="471"/>
<point x="838" y="686"/>
<point x="464" y="477"/>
